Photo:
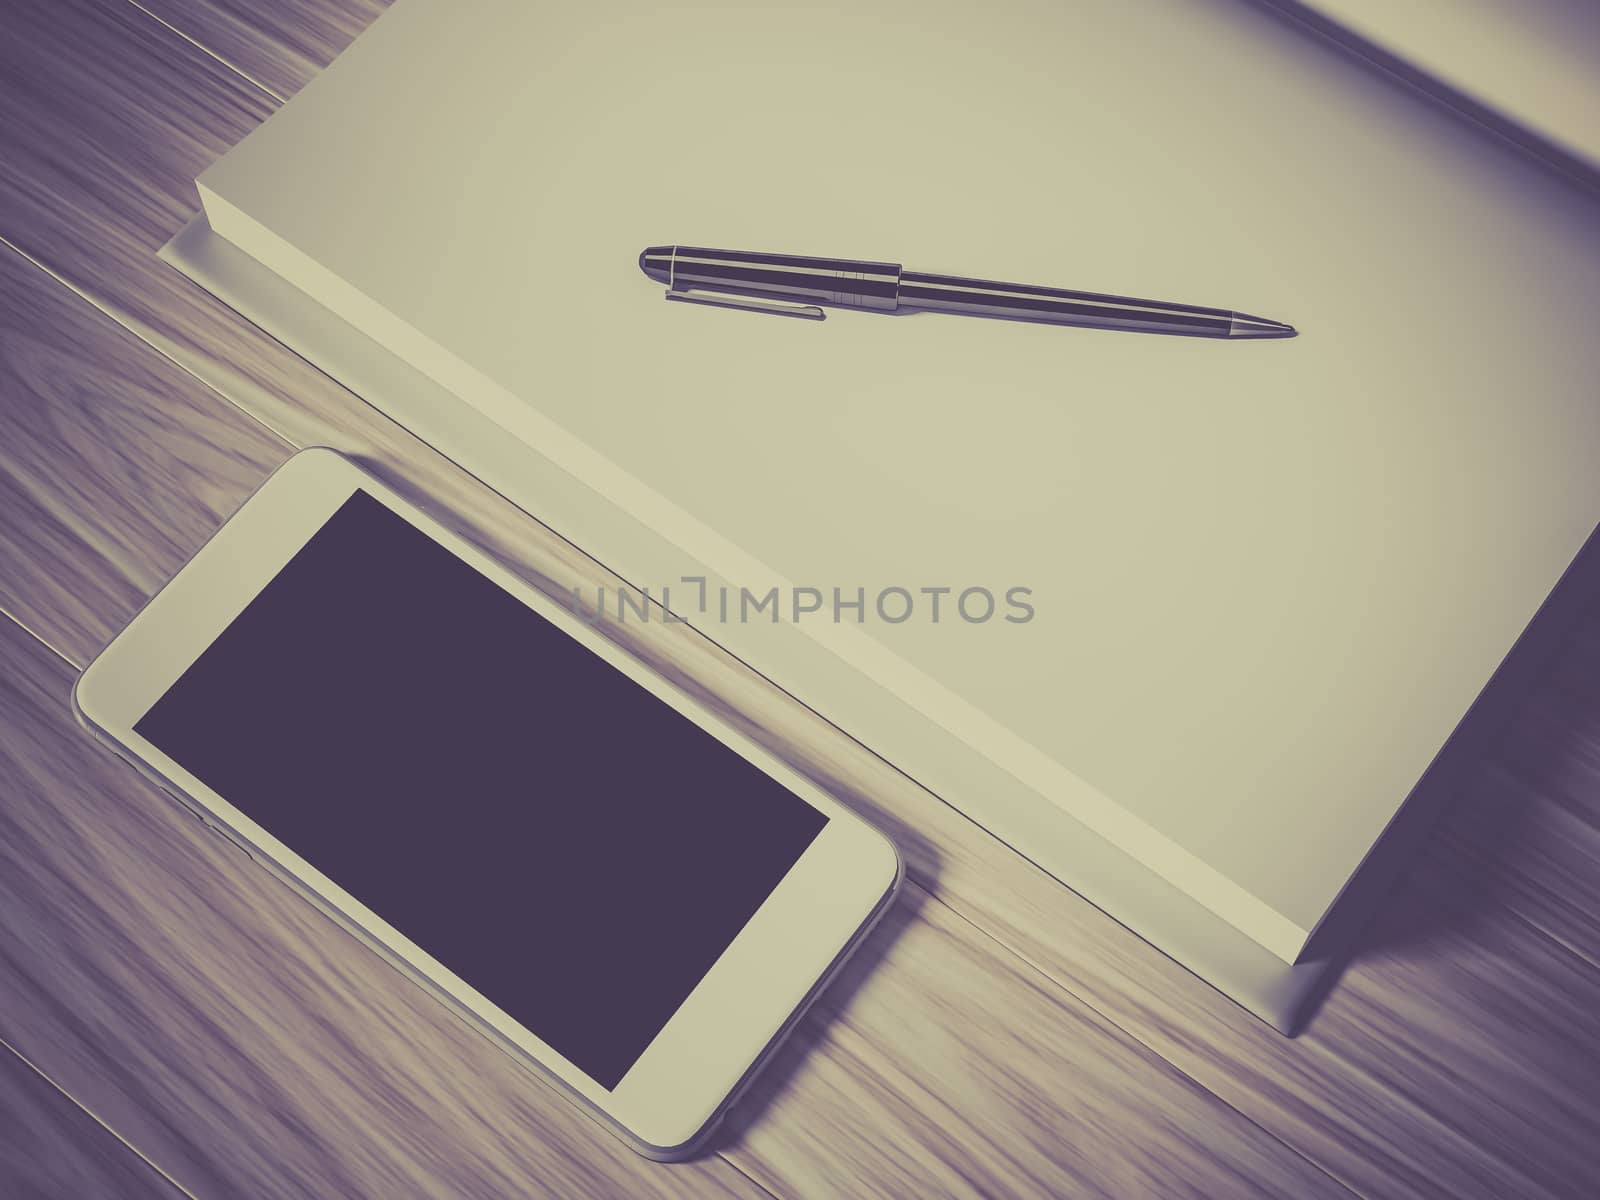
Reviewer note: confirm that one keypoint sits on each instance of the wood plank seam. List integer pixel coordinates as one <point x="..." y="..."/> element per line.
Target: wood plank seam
<point x="146" y="334"/>
<point x="90" y="1113"/>
<point x="210" y="53"/>
<point x="35" y="635"/>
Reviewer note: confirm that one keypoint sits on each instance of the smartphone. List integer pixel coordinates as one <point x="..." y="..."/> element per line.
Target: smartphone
<point x="592" y="868"/>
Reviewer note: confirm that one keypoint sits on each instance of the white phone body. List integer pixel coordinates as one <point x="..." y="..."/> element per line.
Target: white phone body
<point x="672" y="1096"/>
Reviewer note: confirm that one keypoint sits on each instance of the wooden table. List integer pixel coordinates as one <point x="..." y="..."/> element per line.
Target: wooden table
<point x="178" y="1023"/>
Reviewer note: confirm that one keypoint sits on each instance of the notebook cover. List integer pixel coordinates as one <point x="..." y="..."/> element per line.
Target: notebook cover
<point x="1267" y="579"/>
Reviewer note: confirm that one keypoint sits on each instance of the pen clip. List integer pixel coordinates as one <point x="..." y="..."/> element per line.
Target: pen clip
<point x="807" y="312"/>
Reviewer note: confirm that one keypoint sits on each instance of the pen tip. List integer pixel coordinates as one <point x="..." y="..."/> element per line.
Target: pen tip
<point x="1242" y="325"/>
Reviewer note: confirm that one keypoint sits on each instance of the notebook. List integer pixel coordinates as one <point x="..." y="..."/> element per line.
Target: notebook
<point x="1264" y="580"/>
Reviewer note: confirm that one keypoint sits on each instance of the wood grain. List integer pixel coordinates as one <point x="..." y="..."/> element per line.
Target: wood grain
<point x="50" y="1147"/>
<point x="1550" y="878"/>
<point x="957" y="1070"/>
<point x="1410" y="1082"/>
<point x="280" y="46"/>
<point x="96" y="434"/>
<point x="1490" y="1030"/>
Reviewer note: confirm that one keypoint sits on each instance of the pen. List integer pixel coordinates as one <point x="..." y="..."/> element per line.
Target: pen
<point x="792" y="285"/>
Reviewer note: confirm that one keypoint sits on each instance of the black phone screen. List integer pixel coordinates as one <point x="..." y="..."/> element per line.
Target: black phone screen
<point x="567" y="844"/>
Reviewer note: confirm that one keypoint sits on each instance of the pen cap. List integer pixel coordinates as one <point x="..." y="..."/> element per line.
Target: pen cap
<point x="844" y="282"/>
<point x="656" y="262"/>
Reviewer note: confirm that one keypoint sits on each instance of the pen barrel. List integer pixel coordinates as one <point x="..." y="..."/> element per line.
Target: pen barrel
<point x="1024" y="302"/>
<point x="842" y="282"/>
